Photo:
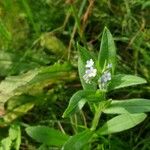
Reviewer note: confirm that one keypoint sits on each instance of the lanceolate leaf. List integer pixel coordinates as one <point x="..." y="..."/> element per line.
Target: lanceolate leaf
<point x="78" y="100"/>
<point x="84" y="55"/>
<point x="121" y="80"/>
<point x="121" y="123"/>
<point x="15" y="135"/>
<point x="107" y="53"/>
<point x="46" y="135"/>
<point x="128" y="106"/>
<point x="19" y="84"/>
<point x="31" y="83"/>
<point x="74" y="102"/>
<point x="78" y="141"/>
<point x="10" y="84"/>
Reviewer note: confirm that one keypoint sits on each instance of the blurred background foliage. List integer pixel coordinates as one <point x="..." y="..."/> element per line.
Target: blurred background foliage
<point x="38" y="61"/>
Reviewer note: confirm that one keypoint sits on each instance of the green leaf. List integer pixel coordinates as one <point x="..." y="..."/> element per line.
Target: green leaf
<point x="107" y="53"/>
<point x="78" y="100"/>
<point x="19" y="100"/>
<point x="17" y="106"/>
<point x="15" y="135"/>
<point x="19" y="111"/>
<point x="121" y="80"/>
<point x="121" y="123"/>
<point x="128" y="106"/>
<point x="13" y="140"/>
<point x="16" y="85"/>
<point x="78" y="141"/>
<point x="17" y="88"/>
<point x="11" y="84"/>
<point x="84" y="55"/>
<point x="74" y="102"/>
<point x="6" y="144"/>
<point x="46" y="135"/>
<point x="43" y="147"/>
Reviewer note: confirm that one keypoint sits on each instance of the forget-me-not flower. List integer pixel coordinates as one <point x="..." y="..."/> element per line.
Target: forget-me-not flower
<point x="90" y="71"/>
<point x="106" y="76"/>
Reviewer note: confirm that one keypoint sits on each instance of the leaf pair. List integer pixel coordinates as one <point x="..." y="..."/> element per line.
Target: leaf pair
<point x="52" y="137"/>
<point x="131" y="112"/>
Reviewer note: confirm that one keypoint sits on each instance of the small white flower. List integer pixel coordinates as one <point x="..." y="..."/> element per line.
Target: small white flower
<point x="91" y="72"/>
<point x="108" y="76"/>
<point x="89" y="63"/>
<point x="86" y="78"/>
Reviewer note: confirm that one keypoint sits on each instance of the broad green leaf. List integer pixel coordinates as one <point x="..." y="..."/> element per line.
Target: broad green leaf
<point x="46" y="135"/>
<point x="121" y="80"/>
<point x="121" y="123"/>
<point x="84" y="55"/>
<point x="37" y="78"/>
<point x="107" y="53"/>
<point x="10" y="84"/>
<point x="128" y="106"/>
<point x="78" y="141"/>
<point x="31" y="83"/>
<point x="78" y="100"/>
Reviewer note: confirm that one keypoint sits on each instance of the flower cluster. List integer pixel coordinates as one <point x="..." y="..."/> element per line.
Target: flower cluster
<point x="90" y="71"/>
<point x="106" y="76"/>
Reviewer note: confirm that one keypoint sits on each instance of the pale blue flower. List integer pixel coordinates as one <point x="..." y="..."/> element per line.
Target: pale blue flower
<point x="91" y="72"/>
<point x="106" y="76"/>
<point x="109" y="66"/>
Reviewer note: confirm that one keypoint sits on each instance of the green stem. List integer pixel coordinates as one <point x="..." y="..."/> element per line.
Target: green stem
<point x="96" y="118"/>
